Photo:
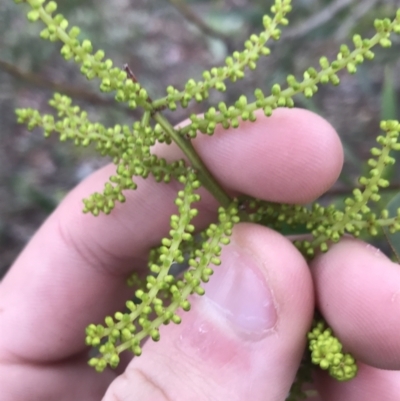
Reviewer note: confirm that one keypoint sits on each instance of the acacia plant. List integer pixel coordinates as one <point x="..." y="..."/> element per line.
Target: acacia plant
<point x="157" y="298"/>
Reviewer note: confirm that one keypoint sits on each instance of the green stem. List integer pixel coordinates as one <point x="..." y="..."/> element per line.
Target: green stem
<point x="206" y="178"/>
<point x="146" y="118"/>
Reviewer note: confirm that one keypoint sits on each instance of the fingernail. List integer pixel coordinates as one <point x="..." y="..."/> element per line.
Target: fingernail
<point x="239" y="292"/>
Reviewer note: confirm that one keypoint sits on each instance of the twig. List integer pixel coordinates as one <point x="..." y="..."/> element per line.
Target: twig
<point x="74" y="92"/>
<point x="359" y="11"/>
<point x="316" y="20"/>
<point x="349" y="191"/>
<point x="133" y="78"/>
<point x="192" y="17"/>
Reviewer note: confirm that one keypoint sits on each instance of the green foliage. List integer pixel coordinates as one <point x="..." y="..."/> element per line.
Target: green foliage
<point x="391" y="233"/>
<point x="159" y="297"/>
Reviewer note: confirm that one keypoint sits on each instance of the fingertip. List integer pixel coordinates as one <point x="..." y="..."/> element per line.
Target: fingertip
<point x="358" y="291"/>
<point x="252" y="323"/>
<point x="370" y="384"/>
<point x="293" y="156"/>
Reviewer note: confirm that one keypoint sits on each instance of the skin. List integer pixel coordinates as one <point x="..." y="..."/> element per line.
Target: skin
<point x="73" y="272"/>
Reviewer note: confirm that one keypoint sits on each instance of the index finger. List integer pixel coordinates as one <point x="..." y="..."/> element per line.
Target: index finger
<point x="73" y="271"/>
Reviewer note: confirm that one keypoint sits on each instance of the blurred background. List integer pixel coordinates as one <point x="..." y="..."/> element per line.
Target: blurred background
<point x="166" y="42"/>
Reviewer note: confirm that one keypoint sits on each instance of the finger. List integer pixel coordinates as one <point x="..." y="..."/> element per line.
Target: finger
<point x="243" y="340"/>
<point x="67" y="381"/>
<point x="73" y="271"/>
<point x="370" y="384"/>
<point x="292" y="157"/>
<point x="358" y="292"/>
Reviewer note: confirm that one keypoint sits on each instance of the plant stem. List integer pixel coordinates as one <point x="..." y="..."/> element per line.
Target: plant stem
<point x="206" y="178"/>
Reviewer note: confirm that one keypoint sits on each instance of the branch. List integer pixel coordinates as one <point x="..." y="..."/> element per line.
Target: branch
<point x="206" y="178"/>
<point x="192" y="17"/>
<point x="37" y="80"/>
<point x="316" y="20"/>
<point x="348" y="191"/>
<point x="359" y="11"/>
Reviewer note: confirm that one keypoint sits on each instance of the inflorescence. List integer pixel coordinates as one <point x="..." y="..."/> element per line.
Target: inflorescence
<point x="158" y="297"/>
<point x="328" y="224"/>
<point x="327" y="352"/>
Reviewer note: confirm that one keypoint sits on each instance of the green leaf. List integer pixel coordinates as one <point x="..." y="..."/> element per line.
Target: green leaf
<point x="393" y="239"/>
<point x="389" y="105"/>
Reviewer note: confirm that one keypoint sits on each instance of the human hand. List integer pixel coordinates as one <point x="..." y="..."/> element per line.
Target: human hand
<point x="244" y="339"/>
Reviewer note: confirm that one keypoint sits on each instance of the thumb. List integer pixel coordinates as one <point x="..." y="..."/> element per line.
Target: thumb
<point x="243" y="339"/>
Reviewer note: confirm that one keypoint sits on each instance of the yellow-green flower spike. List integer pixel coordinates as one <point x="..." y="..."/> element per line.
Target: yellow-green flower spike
<point x="327" y="352"/>
<point x="161" y="295"/>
